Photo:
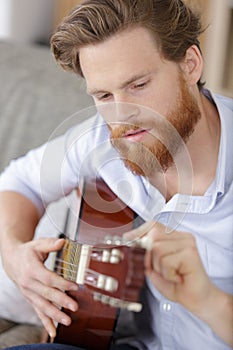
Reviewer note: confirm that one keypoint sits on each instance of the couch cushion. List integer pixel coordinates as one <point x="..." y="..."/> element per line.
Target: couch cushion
<point x="16" y="334"/>
<point x="35" y="97"/>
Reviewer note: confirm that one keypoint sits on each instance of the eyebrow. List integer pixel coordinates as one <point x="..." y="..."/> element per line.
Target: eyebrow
<point x="122" y="86"/>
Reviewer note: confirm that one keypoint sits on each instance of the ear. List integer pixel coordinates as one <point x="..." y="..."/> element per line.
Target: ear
<point x="192" y="65"/>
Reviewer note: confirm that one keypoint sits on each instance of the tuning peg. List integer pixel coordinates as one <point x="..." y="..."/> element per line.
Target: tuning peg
<point x="118" y="303"/>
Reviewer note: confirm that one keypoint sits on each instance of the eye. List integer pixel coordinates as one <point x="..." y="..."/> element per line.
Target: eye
<point x="140" y="85"/>
<point x="104" y="97"/>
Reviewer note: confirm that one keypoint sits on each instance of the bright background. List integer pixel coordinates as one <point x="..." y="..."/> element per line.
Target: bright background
<point x="32" y="21"/>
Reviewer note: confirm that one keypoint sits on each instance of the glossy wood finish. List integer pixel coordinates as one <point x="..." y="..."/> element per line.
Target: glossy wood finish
<point x="103" y="214"/>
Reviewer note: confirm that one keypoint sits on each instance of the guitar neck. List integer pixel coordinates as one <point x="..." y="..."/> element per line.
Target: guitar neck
<point x="110" y="273"/>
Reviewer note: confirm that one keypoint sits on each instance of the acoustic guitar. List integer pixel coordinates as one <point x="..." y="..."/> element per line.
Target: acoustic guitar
<point x="109" y="272"/>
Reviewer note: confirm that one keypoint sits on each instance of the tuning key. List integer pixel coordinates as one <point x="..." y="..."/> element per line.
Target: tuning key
<point x="106" y="255"/>
<point x="107" y="283"/>
<point x="115" y="256"/>
<point x="115" y="302"/>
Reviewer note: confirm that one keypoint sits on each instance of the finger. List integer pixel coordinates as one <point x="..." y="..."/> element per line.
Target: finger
<point x="48" y="323"/>
<point x="177" y="265"/>
<point x="52" y="279"/>
<point x="55" y="296"/>
<point x="165" y="280"/>
<point x="48" y="245"/>
<point x="48" y="309"/>
<point x="165" y="287"/>
<point x="161" y="249"/>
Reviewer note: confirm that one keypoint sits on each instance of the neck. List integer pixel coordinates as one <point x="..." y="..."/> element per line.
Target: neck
<point x="196" y="166"/>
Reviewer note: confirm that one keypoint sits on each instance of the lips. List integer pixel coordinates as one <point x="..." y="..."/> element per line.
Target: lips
<point x="135" y="135"/>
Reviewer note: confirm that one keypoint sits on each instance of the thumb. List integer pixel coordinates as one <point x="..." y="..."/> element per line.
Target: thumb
<point x="48" y="245"/>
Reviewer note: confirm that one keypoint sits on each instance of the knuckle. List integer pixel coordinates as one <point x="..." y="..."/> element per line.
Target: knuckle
<point x="166" y="262"/>
<point x="191" y="250"/>
<point x="48" y="294"/>
<point x="49" y="277"/>
<point x="158" y="250"/>
<point x="190" y="238"/>
<point x="25" y="282"/>
<point x="47" y="280"/>
<point x="157" y="247"/>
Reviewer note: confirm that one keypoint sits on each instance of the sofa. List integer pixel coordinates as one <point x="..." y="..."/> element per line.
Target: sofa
<point x="36" y="96"/>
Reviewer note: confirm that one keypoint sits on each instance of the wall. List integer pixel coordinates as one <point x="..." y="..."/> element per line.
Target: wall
<point x="218" y="45"/>
<point x="26" y="21"/>
<point x="33" y="20"/>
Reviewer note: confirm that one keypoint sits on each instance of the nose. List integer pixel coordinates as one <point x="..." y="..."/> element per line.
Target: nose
<point x="119" y="112"/>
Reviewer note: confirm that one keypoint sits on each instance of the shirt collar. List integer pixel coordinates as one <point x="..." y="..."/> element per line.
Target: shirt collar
<point x="224" y="171"/>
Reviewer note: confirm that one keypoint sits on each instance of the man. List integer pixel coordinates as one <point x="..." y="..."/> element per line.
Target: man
<point x="142" y="64"/>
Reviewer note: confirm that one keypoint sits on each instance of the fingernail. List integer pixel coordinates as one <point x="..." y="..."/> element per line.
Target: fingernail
<point x="54" y="243"/>
<point x="73" y="287"/>
<point x="52" y="333"/>
<point x="58" y="240"/>
<point x="72" y="307"/>
<point x="65" y="321"/>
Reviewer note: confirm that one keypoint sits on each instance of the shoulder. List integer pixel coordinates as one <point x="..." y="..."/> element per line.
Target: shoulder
<point x="224" y="100"/>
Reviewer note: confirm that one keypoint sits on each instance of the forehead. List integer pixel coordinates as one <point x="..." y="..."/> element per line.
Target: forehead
<point x="130" y="52"/>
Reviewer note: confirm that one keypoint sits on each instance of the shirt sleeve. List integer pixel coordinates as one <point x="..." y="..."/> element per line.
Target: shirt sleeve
<point x="43" y="175"/>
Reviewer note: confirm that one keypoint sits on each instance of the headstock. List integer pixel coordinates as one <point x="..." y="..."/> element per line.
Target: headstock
<point x="113" y="272"/>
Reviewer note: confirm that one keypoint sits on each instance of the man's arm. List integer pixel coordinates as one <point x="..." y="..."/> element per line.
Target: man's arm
<point x="23" y="260"/>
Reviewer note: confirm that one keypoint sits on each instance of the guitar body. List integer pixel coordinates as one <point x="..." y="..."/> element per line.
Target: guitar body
<point x="103" y="219"/>
<point x="92" y="325"/>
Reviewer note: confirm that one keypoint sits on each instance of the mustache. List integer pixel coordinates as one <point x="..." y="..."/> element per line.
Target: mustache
<point x="126" y="128"/>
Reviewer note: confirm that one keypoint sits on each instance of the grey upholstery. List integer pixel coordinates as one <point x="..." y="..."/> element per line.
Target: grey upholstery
<point x="35" y="97"/>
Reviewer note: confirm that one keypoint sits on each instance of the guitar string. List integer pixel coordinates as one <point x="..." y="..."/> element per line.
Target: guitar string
<point x="98" y="249"/>
<point x="74" y="257"/>
<point x="87" y="270"/>
<point x="64" y="261"/>
<point x="73" y="277"/>
<point x="74" y="249"/>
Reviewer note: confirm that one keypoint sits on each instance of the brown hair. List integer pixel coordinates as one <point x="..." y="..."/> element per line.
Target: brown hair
<point x="173" y="24"/>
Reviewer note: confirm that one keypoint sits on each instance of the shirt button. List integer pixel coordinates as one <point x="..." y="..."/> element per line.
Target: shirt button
<point x="167" y="307"/>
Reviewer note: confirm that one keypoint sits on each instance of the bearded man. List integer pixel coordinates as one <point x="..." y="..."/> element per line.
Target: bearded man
<point x="163" y="144"/>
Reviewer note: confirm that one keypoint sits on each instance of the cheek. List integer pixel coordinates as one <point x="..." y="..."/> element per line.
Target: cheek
<point x="160" y="100"/>
<point x="164" y="91"/>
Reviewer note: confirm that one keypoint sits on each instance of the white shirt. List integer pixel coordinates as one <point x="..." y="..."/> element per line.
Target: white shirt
<point x="54" y="169"/>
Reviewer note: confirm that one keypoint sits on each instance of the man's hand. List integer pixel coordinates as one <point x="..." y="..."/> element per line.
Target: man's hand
<point x="173" y="264"/>
<point x="175" y="268"/>
<point x="44" y="289"/>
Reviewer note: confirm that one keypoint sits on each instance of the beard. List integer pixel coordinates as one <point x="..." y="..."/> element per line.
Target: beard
<point x="169" y="135"/>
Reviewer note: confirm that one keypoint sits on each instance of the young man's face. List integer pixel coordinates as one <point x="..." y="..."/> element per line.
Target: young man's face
<point x="142" y="97"/>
